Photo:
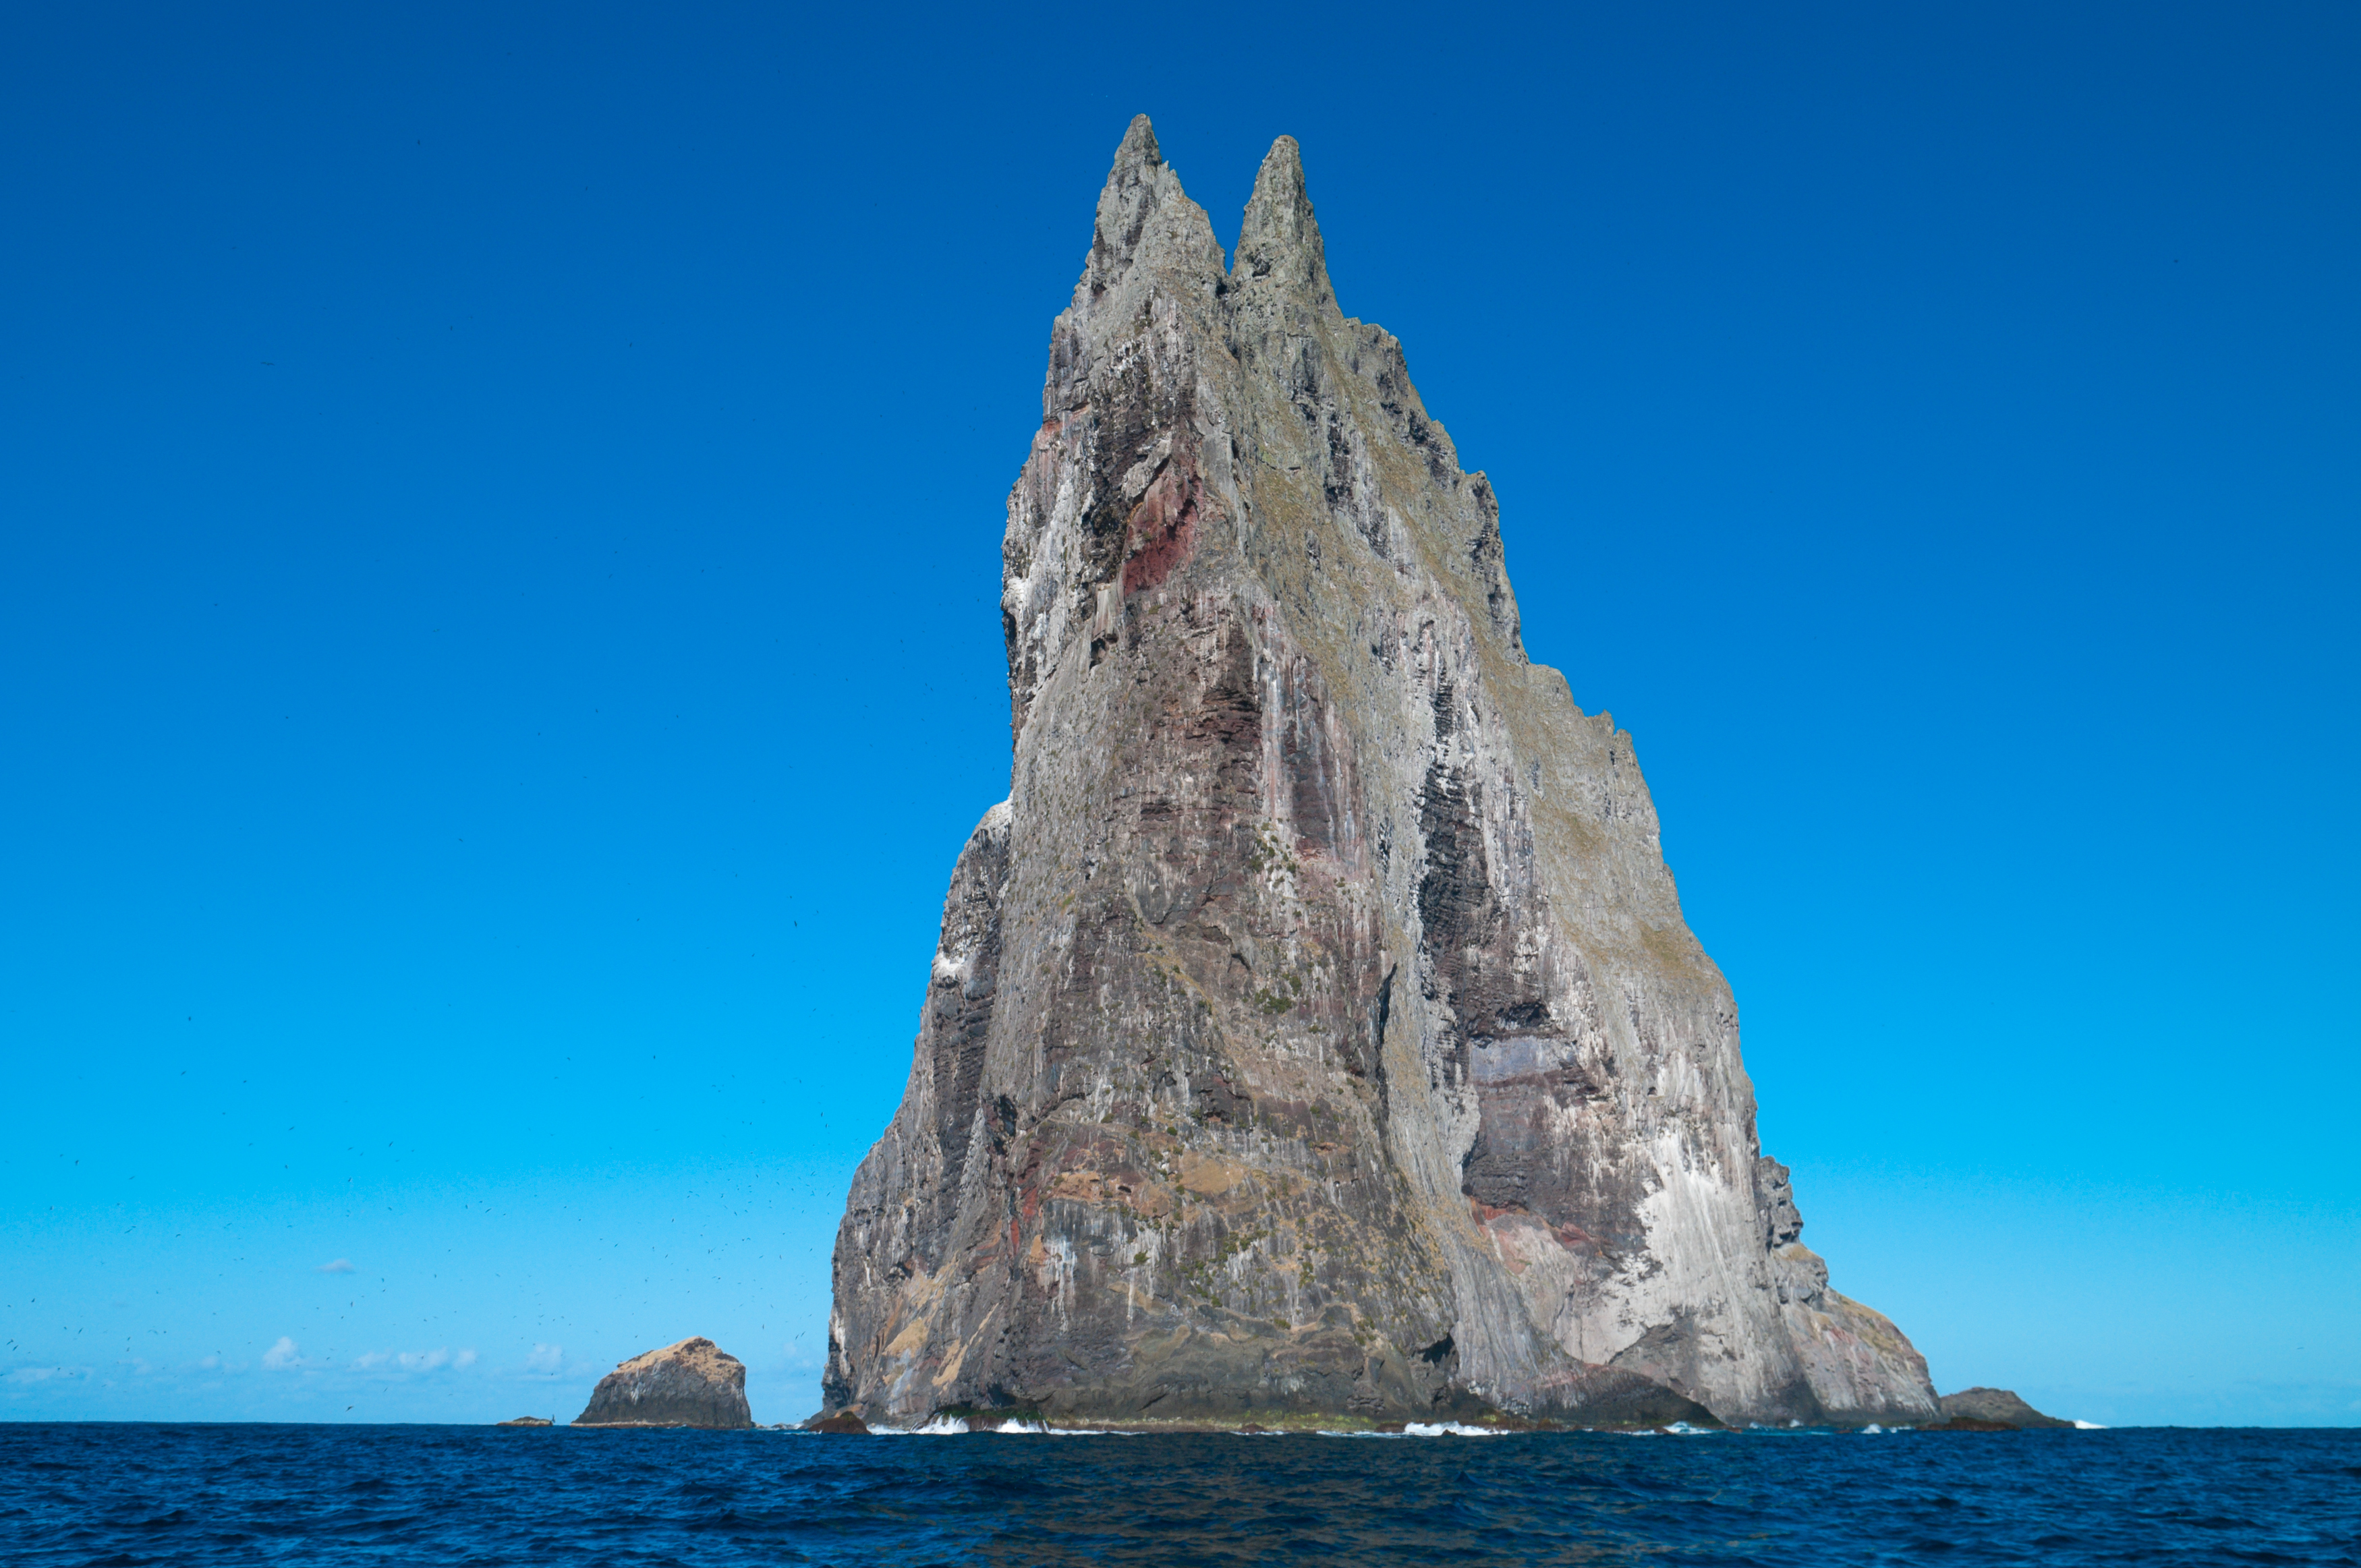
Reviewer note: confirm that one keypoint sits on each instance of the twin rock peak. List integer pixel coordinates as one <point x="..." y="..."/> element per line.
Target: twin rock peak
<point x="1315" y="1033"/>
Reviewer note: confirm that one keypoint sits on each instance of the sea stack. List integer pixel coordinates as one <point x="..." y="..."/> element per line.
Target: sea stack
<point x="1314" y="1028"/>
<point x="693" y="1384"/>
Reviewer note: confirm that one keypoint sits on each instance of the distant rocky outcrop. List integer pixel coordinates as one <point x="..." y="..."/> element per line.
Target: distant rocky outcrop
<point x="527" y="1422"/>
<point x="693" y="1384"/>
<point x="842" y="1424"/>
<point x="1314" y="1029"/>
<point x="1981" y="1409"/>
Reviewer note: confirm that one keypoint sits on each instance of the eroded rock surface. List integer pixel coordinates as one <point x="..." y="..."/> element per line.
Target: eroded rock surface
<point x="693" y="1384"/>
<point x="1314" y="1028"/>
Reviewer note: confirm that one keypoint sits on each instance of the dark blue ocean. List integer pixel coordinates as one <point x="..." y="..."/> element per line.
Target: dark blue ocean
<point x="135" y="1494"/>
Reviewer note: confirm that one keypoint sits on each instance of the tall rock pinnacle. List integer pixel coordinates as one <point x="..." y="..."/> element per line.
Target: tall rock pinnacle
<point x="1278" y="242"/>
<point x="1314" y="1028"/>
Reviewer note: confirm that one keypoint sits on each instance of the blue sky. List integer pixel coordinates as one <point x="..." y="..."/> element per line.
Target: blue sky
<point x="500" y="512"/>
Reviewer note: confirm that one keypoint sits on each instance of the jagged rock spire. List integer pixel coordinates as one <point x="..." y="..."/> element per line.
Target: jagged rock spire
<point x="1144" y="219"/>
<point x="1138" y="148"/>
<point x="1130" y="186"/>
<point x="1279" y="243"/>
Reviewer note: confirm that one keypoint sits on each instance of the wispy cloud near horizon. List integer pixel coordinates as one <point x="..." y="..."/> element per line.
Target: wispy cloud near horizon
<point x="341" y="1266"/>
<point x="43" y="1374"/>
<point x="394" y="1362"/>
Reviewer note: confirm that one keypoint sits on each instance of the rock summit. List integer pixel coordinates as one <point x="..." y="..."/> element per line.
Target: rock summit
<point x="1314" y="1029"/>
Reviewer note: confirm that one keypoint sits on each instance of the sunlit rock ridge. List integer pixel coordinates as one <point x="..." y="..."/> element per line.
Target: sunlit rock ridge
<point x="1314" y="1027"/>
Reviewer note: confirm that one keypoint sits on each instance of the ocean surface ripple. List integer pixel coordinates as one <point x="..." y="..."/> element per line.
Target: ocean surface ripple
<point x="132" y="1493"/>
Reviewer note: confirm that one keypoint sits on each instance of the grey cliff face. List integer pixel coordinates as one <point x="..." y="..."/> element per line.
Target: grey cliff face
<point x="693" y="1384"/>
<point x="1314" y="1028"/>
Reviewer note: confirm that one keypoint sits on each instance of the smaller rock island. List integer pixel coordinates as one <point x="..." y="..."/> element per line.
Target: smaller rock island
<point x="1994" y="1409"/>
<point x="527" y="1422"/>
<point x="695" y="1383"/>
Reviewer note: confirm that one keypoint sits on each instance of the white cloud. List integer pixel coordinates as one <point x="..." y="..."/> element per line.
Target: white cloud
<point x="373" y="1358"/>
<point x="43" y="1374"/>
<point x="464" y="1358"/>
<point x="342" y="1265"/>
<point x="282" y="1355"/>
<point x="423" y="1360"/>
<point x="545" y="1358"/>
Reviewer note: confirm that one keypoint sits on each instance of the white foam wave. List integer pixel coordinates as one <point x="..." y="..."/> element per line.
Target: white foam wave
<point x="1679" y="1428"/>
<point x="959" y="1426"/>
<point x="940" y="1426"/>
<point x="1413" y="1429"/>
